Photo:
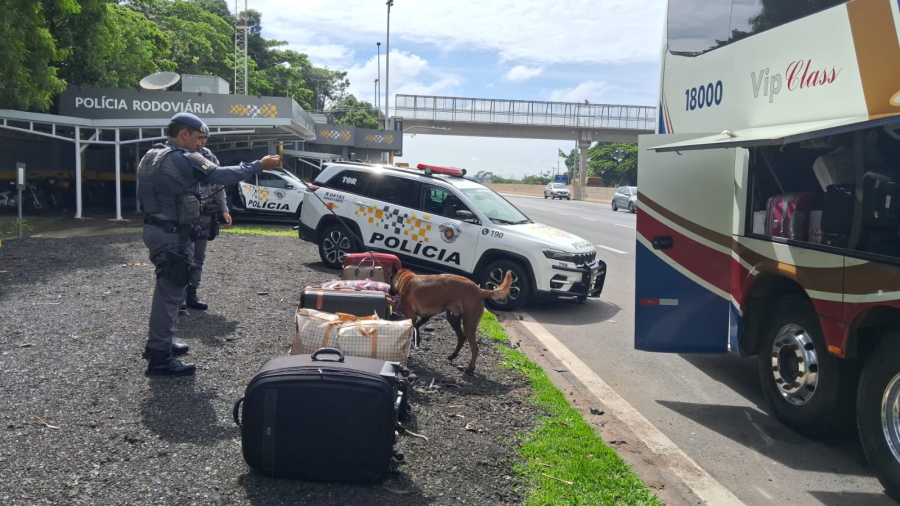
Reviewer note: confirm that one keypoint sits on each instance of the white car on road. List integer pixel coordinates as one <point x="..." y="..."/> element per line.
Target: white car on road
<point x="450" y="224"/>
<point x="557" y="191"/>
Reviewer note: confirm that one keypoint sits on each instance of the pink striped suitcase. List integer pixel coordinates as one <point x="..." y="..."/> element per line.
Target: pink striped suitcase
<point x="788" y="215"/>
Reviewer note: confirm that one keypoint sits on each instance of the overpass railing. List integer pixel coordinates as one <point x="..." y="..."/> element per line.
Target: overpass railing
<point x="525" y="112"/>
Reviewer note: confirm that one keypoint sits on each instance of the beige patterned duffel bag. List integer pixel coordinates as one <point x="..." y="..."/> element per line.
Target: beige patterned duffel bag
<point x="358" y="337"/>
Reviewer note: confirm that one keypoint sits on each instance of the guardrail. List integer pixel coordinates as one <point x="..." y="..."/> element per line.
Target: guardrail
<point x="524" y="112"/>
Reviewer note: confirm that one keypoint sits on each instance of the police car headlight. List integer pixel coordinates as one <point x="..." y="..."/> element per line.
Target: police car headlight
<point x="562" y="256"/>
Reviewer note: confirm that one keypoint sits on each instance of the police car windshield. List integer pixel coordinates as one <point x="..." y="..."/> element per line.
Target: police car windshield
<point x="290" y="176"/>
<point x="495" y="207"/>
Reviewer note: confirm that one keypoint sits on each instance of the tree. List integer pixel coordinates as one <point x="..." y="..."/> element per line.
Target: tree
<point x="132" y="47"/>
<point x="202" y="42"/>
<point x="350" y="111"/>
<point x="28" y="78"/>
<point x="77" y="39"/>
<point x="572" y="162"/>
<point x="616" y="162"/>
<point x="358" y="118"/>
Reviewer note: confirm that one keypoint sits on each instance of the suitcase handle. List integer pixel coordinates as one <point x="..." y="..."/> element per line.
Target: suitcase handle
<point x="332" y="351"/>
<point x="237" y="408"/>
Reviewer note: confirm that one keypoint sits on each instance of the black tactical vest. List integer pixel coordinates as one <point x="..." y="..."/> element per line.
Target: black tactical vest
<point x="161" y="184"/>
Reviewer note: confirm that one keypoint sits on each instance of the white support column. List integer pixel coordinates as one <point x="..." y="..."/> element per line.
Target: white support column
<point x="77" y="172"/>
<point x="583" y="147"/>
<point x="118" y="177"/>
<point x="137" y="163"/>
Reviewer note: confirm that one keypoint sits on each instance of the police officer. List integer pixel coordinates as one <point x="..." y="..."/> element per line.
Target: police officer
<point x="168" y="182"/>
<point x="213" y="202"/>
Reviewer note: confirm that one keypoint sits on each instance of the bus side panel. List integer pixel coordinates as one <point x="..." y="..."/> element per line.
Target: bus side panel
<point x="683" y="291"/>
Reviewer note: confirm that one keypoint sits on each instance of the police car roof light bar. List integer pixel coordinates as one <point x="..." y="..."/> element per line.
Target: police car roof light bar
<point x="449" y="171"/>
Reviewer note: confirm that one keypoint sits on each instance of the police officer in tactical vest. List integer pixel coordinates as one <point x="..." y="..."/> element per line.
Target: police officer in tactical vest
<point x="212" y="204"/>
<point x="169" y="176"/>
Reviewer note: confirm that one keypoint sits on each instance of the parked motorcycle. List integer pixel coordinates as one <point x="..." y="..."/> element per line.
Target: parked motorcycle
<point x="33" y="199"/>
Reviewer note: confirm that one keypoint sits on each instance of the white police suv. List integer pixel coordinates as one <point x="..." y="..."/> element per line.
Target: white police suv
<point x="435" y="219"/>
<point x="274" y="193"/>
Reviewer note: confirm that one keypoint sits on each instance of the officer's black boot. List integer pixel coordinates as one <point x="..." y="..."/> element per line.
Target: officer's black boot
<point x="193" y="302"/>
<point x="162" y="364"/>
<point x="177" y="349"/>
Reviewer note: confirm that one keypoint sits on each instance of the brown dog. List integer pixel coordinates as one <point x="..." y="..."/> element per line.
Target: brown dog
<point x="422" y="297"/>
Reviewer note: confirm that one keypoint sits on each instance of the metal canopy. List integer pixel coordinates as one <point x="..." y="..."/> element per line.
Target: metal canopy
<point x="225" y="134"/>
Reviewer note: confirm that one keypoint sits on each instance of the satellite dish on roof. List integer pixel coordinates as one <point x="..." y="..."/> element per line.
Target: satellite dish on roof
<point x="159" y="81"/>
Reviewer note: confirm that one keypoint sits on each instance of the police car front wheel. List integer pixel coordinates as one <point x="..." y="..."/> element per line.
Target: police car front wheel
<point x="334" y="245"/>
<point x="491" y="277"/>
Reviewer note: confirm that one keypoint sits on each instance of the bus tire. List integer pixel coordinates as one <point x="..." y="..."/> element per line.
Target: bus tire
<point x="809" y="390"/>
<point x="877" y="413"/>
<point x="492" y="275"/>
<point x="334" y="245"/>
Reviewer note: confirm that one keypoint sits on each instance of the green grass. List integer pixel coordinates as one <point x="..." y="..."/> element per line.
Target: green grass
<point x="272" y="232"/>
<point x="564" y="446"/>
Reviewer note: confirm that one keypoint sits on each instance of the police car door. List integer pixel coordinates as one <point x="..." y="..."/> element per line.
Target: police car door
<point x="450" y="242"/>
<point x="388" y="218"/>
<point x="271" y="195"/>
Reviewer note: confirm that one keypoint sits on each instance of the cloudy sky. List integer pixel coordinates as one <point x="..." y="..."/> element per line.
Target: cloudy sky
<point x="604" y="51"/>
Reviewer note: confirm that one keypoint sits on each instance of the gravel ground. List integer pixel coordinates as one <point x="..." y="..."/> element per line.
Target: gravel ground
<point x="73" y="319"/>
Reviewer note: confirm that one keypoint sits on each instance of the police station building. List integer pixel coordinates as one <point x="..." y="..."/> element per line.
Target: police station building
<point x="89" y="152"/>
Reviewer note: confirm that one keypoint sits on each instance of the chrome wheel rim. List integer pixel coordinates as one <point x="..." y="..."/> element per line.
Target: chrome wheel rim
<point x="495" y="278"/>
<point x="890" y="416"/>
<point x="336" y="245"/>
<point x="795" y="364"/>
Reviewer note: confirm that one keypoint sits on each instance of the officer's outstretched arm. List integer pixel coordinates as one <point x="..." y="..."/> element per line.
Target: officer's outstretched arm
<point x="206" y="171"/>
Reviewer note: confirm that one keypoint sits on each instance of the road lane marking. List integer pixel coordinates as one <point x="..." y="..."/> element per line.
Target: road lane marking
<point x="613" y="250"/>
<point x="695" y="477"/>
<point x="623" y="226"/>
<point x="564" y="214"/>
<point x="589" y="219"/>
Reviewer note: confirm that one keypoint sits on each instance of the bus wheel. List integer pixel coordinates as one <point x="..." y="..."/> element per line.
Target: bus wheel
<point x="808" y="389"/>
<point x="491" y="277"/>
<point x="878" y="413"/>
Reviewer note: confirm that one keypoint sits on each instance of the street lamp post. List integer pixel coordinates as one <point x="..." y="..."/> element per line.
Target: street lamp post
<point x="387" y="67"/>
<point x="377" y="87"/>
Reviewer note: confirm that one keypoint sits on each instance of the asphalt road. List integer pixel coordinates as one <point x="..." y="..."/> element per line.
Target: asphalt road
<point x="711" y="406"/>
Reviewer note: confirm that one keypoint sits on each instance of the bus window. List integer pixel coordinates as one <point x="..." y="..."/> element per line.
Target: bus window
<point x="697" y="26"/>
<point x="749" y="17"/>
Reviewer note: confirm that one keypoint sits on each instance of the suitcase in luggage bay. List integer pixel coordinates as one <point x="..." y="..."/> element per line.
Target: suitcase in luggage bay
<point x="787" y="215"/>
<point x="837" y="210"/>
<point x="880" y="194"/>
<point x="835" y="240"/>
<point x="355" y="302"/>
<point x="390" y="263"/>
<point x="322" y="417"/>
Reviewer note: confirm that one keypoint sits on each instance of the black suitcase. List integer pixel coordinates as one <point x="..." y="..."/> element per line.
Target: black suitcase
<point x="880" y="194"/>
<point x="835" y="240"/>
<point x="837" y="211"/>
<point x="322" y="417"/>
<point x="355" y="302"/>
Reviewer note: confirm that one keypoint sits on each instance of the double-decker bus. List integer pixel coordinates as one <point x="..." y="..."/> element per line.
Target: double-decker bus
<point x="769" y="207"/>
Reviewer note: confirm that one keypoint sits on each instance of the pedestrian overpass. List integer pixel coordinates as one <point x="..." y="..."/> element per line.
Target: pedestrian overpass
<point x="584" y="123"/>
<point x="524" y="119"/>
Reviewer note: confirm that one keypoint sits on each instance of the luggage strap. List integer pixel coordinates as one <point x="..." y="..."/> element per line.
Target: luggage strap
<point x="237" y="408"/>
